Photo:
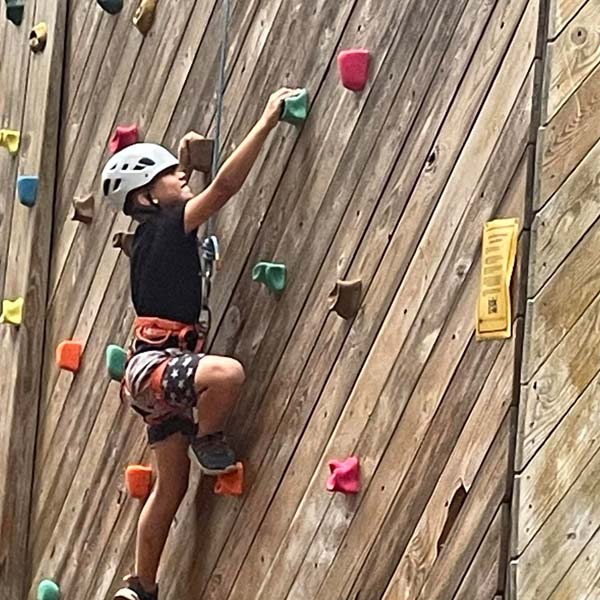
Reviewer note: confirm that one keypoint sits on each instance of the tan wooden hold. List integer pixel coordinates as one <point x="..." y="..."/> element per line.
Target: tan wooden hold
<point x="83" y="209"/>
<point x="345" y="298"/>
<point x="144" y="15"/>
<point x="124" y="241"/>
<point x="38" y="37"/>
<point x="195" y="153"/>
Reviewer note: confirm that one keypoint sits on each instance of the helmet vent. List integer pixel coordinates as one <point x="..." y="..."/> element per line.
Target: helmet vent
<point x="117" y="185"/>
<point x="106" y="186"/>
<point x="148" y="162"/>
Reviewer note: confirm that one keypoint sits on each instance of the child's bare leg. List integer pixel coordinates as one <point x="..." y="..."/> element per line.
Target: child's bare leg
<point x="173" y="468"/>
<point x="219" y="380"/>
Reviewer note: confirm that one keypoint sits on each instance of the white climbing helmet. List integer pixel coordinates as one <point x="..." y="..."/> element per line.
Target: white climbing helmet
<point x="132" y="168"/>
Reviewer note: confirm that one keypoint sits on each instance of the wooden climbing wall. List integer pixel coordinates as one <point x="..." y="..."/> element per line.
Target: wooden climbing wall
<point x="556" y="541"/>
<point x="392" y="186"/>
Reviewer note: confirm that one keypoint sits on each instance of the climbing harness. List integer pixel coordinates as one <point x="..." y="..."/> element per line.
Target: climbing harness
<point x="209" y="246"/>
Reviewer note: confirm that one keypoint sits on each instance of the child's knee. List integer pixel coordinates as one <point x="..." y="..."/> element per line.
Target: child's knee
<point x="220" y="371"/>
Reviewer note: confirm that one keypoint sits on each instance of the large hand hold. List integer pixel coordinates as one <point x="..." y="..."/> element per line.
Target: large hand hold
<point x="48" y="590"/>
<point x="125" y="135"/>
<point x="83" y="209"/>
<point x="111" y="6"/>
<point x="231" y="484"/>
<point x="295" y="109"/>
<point x="345" y="298"/>
<point x="116" y="359"/>
<point x="10" y="140"/>
<point x="27" y="188"/>
<point x="15" y="10"/>
<point x="144" y="16"/>
<point x="68" y="355"/>
<point x="345" y="476"/>
<point x="273" y="275"/>
<point x="195" y="153"/>
<point x="12" y="311"/>
<point x="353" y="66"/>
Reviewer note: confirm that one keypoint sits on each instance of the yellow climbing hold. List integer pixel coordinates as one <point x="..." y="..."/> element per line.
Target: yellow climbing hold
<point x="144" y="15"/>
<point x="10" y="139"/>
<point x="38" y="37"/>
<point x="494" y="319"/>
<point x="12" y="311"/>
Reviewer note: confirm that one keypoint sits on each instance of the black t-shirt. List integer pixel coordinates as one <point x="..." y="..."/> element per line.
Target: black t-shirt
<point x="165" y="268"/>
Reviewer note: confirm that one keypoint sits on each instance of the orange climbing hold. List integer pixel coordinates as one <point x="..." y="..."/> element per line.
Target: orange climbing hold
<point x="138" y="479"/>
<point x="124" y="136"/>
<point x="68" y="356"/>
<point x="231" y="484"/>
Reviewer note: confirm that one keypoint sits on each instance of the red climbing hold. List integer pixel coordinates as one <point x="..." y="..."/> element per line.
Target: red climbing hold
<point x="345" y="476"/>
<point x="354" y="68"/>
<point x="123" y="137"/>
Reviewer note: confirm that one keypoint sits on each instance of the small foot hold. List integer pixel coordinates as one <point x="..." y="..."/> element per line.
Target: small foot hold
<point x="15" y="9"/>
<point x="295" y="109"/>
<point x="124" y="241"/>
<point x="138" y="479"/>
<point x="345" y="298"/>
<point x="273" y="275"/>
<point x="111" y="6"/>
<point x="83" y="209"/>
<point x="27" y="188"/>
<point x="10" y="140"/>
<point x="144" y="15"/>
<point x="345" y="476"/>
<point x="353" y="66"/>
<point x="124" y="136"/>
<point x="68" y="355"/>
<point x="231" y="484"/>
<point x="116" y="359"/>
<point x="38" y="37"/>
<point x="48" y="590"/>
<point x="195" y="153"/>
<point x="12" y="311"/>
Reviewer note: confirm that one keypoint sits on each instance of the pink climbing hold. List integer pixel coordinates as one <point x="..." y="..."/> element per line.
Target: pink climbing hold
<point x="345" y="476"/>
<point x="124" y="136"/>
<point x="354" y="68"/>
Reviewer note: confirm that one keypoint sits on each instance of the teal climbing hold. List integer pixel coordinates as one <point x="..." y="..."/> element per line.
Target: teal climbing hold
<point x="15" y="10"/>
<point x="295" y="109"/>
<point x="273" y="275"/>
<point x="116" y="358"/>
<point x="111" y="6"/>
<point x="27" y="187"/>
<point x="48" y="590"/>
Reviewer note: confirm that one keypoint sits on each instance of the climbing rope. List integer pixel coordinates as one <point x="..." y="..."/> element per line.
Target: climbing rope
<point x="209" y="253"/>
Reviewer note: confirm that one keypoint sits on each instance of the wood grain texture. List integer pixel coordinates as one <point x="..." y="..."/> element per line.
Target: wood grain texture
<point x="391" y="186"/>
<point x="570" y="58"/>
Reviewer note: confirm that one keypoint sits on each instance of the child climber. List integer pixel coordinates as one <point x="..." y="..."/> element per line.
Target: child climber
<point x="166" y="375"/>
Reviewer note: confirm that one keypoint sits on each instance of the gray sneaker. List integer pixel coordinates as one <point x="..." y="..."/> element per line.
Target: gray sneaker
<point x="134" y="591"/>
<point x="213" y="454"/>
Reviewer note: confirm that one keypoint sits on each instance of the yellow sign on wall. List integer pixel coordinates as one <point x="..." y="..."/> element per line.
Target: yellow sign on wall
<point x="494" y="315"/>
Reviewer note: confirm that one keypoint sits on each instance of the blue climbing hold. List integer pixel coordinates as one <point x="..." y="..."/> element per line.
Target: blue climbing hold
<point x="116" y="359"/>
<point x="111" y="6"/>
<point x="27" y="187"/>
<point x="295" y="109"/>
<point x="48" y="590"/>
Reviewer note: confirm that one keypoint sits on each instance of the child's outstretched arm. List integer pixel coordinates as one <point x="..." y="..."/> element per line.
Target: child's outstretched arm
<point x="234" y="171"/>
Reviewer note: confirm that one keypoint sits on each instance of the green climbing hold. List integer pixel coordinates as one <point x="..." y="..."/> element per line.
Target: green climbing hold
<point x="48" y="590"/>
<point x="116" y="358"/>
<point x="295" y="109"/>
<point x="111" y="6"/>
<point x="15" y="10"/>
<point x="273" y="275"/>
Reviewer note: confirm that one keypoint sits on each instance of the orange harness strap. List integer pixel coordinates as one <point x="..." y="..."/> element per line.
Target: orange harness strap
<point x="156" y="331"/>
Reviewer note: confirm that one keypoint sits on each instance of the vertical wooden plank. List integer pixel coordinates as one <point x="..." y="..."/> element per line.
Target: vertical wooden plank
<point x="27" y="275"/>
